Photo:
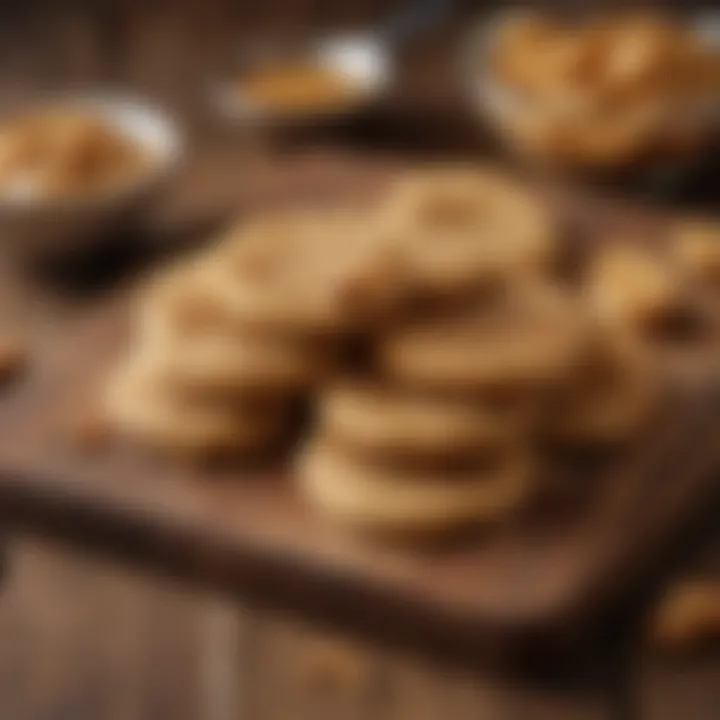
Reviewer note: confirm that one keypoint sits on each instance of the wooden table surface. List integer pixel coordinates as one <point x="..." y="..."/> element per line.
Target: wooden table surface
<point x="546" y="577"/>
<point x="251" y="536"/>
<point x="85" y="640"/>
<point x="210" y="193"/>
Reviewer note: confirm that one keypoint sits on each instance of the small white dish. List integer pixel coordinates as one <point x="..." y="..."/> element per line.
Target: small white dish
<point x="32" y="225"/>
<point x="367" y="60"/>
<point x="363" y="61"/>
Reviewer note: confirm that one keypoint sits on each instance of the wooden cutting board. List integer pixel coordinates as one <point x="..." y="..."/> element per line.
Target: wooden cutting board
<point x="546" y="576"/>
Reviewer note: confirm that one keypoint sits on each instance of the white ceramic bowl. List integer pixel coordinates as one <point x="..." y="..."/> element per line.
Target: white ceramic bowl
<point x="33" y="225"/>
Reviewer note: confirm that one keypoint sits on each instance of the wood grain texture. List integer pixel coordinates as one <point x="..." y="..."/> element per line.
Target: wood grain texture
<point x="687" y="686"/>
<point x="88" y="641"/>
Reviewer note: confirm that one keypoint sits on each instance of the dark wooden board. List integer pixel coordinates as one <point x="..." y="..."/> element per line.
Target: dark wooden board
<point x="546" y="577"/>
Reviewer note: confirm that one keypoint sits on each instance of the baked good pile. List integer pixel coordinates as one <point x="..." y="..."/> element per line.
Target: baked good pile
<point x="609" y="91"/>
<point x="438" y="337"/>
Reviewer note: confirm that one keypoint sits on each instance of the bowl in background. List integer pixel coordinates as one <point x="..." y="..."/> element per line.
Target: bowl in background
<point x="36" y="225"/>
<point x="360" y="60"/>
<point x="683" y="135"/>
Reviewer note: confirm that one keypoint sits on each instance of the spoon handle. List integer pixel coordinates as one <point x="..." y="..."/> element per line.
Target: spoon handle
<point x="418" y="15"/>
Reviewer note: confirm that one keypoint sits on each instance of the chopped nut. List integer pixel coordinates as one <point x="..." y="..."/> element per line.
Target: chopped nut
<point x="689" y="614"/>
<point x="90" y="430"/>
<point x="13" y="357"/>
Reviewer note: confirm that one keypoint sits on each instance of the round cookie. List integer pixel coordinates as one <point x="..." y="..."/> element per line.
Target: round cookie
<point x="141" y="405"/>
<point x="529" y="338"/>
<point x="391" y="423"/>
<point x="222" y="364"/>
<point x="397" y="502"/>
<point x="696" y="245"/>
<point x="630" y="286"/>
<point x="309" y="273"/>
<point x="610" y="399"/>
<point x="654" y="301"/>
<point x="198" y="346"/>
<point x="180" y="300"/>
<point x="461" y="228"/>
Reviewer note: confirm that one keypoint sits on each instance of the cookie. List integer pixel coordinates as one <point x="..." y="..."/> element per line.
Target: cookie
<point x="232" y="364"/>
<point x="529" y="338"/>
<point x="688" y="615"/>
<point x="697" y="247"/>
<point x="636" y="288"/>
<point x="180" y="300"/>
<point x="309" y="273"/>
<point x="611" y="398"/>
<point x="388" y="422"/>
<point x="198" y="345"/>
<point x="140" y="405"/>
<point x="393" y="501"/>
<point x="462" y="227"/>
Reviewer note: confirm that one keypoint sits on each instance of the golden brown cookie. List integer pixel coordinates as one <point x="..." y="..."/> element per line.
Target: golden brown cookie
<point x="140" y="404"/>
<point x="688" y="615"/>
<point x="309" y="272"/>
<point x="697" y="247"/>
<point x="529" y="338"/>
<point x="199" y="345"/>
<point x="383" y="421"/>
<point x="634" y="287"/>
<point x="397" y="502"/>
<point x="180" y="299"/>
<point x="610" y="398"/>
<point x="14" y="355"/>
<point x="460" y="227"/>
<point x="231" y="364"/>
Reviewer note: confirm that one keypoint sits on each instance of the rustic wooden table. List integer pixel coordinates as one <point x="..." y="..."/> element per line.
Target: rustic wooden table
<point x="400" y="634"/>
<point x="257" y="658"/>
<point x="82" y="638"/>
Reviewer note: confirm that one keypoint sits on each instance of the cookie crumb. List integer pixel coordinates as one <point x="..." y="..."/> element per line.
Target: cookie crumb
<point x="14" y="355"/>
<point x="335" y="666"/>
<point x="90" y="431"/>
<point x="688" y="615"/>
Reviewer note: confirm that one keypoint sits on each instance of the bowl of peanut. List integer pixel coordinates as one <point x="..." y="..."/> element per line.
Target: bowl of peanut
<point x="635" y="91"/>
<point x="73" y="167"/>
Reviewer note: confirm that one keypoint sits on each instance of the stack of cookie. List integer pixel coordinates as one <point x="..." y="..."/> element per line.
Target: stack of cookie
<point x="226" y="342"/>
<point x="465" y="231"/>
<point x="474" y="353"/>
<point x="697" y="247"/>
<point x="436" y="435"/>
<point x="440" y="435"/>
